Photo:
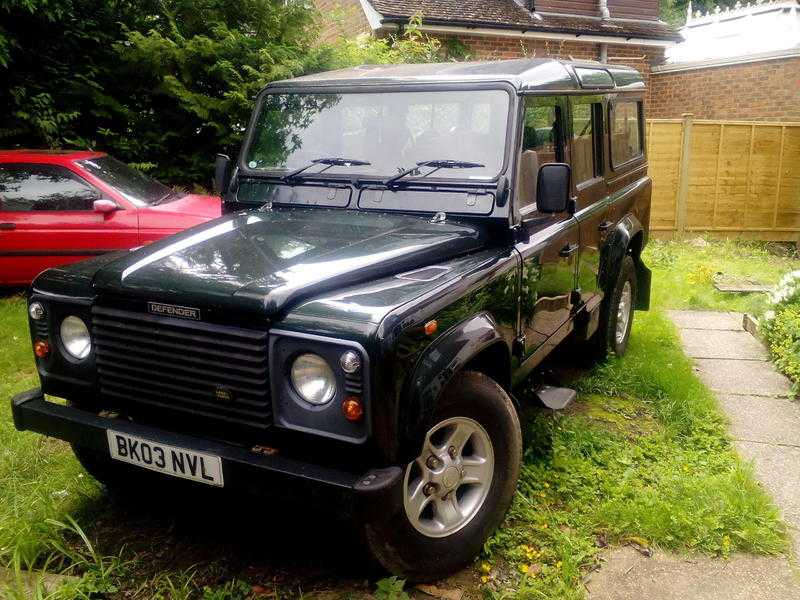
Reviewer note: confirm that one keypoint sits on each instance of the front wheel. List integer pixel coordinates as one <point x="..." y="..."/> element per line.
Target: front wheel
<point x="459" y="487"/>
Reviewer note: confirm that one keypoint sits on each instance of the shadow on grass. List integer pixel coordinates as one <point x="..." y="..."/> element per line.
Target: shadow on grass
<point x="224" y="536"/>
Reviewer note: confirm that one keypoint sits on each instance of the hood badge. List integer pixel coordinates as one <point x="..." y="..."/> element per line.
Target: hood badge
<point x="172" y="310"/>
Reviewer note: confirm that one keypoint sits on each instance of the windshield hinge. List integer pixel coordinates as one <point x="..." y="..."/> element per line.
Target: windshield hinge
<point x="439" y="217"/>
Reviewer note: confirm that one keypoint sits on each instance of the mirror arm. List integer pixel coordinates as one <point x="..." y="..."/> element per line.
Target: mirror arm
<point x="572" y="205"/>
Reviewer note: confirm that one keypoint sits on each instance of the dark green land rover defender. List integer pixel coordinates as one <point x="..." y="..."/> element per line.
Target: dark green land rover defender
<point x="401" y="247"/>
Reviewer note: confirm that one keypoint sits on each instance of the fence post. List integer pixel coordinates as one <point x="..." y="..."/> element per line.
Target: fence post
<point x="683" y="173"/>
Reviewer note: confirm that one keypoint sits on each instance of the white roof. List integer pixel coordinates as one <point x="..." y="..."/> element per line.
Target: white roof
<point x="759" y="29"/>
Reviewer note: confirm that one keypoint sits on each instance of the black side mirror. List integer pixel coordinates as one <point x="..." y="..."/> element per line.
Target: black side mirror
<point x="222" y="174"/>
<point x="553" y="188"/>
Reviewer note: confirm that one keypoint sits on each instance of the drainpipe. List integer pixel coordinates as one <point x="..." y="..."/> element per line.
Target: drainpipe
<point x="603" y="53"/>
<point x="604" y="14"/>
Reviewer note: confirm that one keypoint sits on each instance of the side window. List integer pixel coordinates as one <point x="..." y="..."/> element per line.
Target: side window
<point x="43" y="187"/>
<point x="542" y="142"/>
<point x="587" y="131"/>
<point x="626" y="136"/>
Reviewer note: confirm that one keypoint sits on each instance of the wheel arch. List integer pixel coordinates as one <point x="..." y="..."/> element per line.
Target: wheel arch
<point x="628" y="238"/>
<point x="476" y="344"/>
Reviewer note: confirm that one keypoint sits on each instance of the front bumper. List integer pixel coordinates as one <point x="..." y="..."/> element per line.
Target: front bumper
<point x="278" y="476"/>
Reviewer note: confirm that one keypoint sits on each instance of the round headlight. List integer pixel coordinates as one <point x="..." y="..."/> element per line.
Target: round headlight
<point x="75" y="337"/>
<point x="313" y="379"/>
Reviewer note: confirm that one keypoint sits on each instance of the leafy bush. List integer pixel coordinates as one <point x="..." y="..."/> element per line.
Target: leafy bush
<point x="781" y="326"/>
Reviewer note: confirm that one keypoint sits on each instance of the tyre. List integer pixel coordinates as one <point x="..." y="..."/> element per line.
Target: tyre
<point x="458" y="489"/>
<point x="616" y="314"/>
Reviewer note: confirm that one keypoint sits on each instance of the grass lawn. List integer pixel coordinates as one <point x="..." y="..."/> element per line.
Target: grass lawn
<point x="641" y="458"/>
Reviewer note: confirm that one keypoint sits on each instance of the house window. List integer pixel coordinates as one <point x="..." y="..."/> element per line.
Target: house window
<point x="626" y="137"/>
<point x="542" y="142"/>
<point x="587" y="129"/>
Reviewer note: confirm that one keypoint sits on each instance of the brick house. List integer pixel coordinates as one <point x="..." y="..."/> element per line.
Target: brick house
<point x="626" y="32"/>
<point x="742" y="63"/>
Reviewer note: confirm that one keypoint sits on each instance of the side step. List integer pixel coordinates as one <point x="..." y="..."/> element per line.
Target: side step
<point x="555" y="398"/>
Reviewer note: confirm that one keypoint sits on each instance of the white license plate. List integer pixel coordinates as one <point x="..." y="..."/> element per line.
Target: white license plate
<point x="169" y="460"/>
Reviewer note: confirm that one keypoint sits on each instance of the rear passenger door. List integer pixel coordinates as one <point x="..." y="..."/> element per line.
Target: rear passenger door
<point x="587" y="132"/>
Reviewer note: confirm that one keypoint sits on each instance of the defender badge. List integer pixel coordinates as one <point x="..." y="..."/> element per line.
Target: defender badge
<point x="171" y="310"/>
<point x="223" y="394"/>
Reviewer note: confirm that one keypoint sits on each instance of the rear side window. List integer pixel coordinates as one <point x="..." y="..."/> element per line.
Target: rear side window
<point x="626" y="135"/>
<point x="43" y="187"/>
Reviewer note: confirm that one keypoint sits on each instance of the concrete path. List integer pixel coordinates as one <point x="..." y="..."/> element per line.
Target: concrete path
<point x="765" y="424"/>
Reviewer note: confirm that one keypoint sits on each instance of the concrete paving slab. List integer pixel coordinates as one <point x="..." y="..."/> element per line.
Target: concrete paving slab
<point x="704" y="319"/>
<point x="750" y="377"/>
<point x="627" y="575"/>
<point x="778" y="469"/>
<point x="763" y="419"/>
<point x="701" y="343"/>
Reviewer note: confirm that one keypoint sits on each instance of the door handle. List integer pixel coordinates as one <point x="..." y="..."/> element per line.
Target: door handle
<point x="7" y="226"/>
<point x="568" y="250"/>
<point x="605" y="225"/>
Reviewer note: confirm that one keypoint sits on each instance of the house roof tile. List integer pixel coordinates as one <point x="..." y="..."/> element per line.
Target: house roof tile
<point x="507" y="14"/>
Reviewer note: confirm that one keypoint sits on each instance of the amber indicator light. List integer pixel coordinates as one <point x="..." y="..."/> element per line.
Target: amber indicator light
<point x="431" y="327"/>
<point x="353" y="409"/>
<point x="41" y="348"/>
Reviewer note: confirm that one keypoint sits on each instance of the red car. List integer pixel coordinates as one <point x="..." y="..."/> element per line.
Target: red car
<point x="61" y="207"/>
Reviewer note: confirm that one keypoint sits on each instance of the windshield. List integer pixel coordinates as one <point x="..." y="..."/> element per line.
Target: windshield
<point x="393" y="131"/>
<point x="138" y="188"/>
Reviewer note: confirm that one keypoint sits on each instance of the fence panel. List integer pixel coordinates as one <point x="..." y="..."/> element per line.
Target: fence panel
<point x="728" y="178"/>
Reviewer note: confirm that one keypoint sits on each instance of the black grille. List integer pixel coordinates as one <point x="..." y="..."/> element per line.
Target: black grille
<point x="200" y="369"/>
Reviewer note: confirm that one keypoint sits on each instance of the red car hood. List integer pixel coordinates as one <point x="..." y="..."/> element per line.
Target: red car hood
<point x="189" y="210"/>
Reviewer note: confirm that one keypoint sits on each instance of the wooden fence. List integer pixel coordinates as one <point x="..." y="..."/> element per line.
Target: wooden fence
<point x="726" y="178"/>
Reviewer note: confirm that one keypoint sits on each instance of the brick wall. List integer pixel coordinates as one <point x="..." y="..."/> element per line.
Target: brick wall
<point x="758" y="91"/>
<point x="339" y="18"/>
<point x="641" y="58"/>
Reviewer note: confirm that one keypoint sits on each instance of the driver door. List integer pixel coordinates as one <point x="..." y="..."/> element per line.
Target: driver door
<point x="47" y="219"/>
<point x="548" y="244"/>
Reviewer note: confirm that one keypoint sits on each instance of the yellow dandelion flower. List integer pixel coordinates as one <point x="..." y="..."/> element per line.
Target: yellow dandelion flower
<point x="486" y="567"/>
<point x="484" y="579"/>
<point x="558" y="564"/>
<point x="547" y="485"/>
<point x="523" y="568"/>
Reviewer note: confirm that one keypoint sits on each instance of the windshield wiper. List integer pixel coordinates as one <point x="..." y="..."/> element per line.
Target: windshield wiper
<point x="332" y="161"/>
<point x="436" y="164"/>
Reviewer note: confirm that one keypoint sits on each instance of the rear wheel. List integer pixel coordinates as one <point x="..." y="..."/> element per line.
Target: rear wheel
<point x="459" y="487"/>
<point x="616" y="314"/>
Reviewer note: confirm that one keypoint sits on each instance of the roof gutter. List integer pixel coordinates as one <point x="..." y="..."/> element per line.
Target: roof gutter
<point x="503" y="30"/>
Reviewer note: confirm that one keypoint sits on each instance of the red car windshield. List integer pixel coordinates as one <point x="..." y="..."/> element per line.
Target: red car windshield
<point x="135" y="186"/>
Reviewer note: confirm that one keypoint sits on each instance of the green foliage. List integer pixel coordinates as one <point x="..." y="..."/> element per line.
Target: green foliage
<point x="781" y="326"/>
<point x="782" y="334"/>
<point x="412" y="45"/>
<point x="674" y="11"/>
<point x="168" y="83"/>
<point x="391" y="588"/>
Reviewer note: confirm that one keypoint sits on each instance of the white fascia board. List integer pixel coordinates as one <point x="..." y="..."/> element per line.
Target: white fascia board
<point x="543" y="35"/>
<point x="374" y="18"/>
<point x="723" y="62"/>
